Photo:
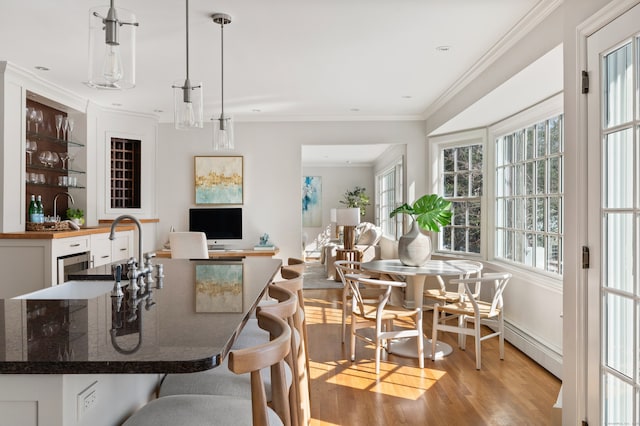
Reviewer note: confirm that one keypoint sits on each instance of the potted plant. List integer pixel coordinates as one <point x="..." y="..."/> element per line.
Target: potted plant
<point x="76" y="215"/>
<point x="430" y="213"/>
<point x="357" y="198"/>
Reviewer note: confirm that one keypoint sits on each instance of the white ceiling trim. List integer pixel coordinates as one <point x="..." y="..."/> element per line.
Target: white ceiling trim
<point x="301" y="118"/>
<point x="517" y="33"/>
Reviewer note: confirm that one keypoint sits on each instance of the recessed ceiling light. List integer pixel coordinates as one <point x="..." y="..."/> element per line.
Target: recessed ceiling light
<point x="41" y="68"/>
<point x="443" y="48"/>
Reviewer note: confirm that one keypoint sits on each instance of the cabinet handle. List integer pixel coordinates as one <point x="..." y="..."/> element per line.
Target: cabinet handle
<point x="123" y="249"/>
<point x="74" y="245"/>
<point x="105" y="256"/>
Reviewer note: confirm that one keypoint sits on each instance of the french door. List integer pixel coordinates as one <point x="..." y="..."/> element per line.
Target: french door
<point x="613" y="314"/>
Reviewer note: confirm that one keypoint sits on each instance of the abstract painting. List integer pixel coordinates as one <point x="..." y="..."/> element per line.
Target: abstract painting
<point x="311" y="201"/>
<point x="219" y="288"/>
<point x="218" y="180"/>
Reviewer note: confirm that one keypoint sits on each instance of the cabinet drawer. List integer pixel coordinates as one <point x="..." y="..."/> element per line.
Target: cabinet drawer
<point x="100" y="251"/>
<point x="65" y="246"/>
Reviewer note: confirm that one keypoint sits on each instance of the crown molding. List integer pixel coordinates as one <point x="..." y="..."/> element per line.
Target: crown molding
<point x="520" y="30"/>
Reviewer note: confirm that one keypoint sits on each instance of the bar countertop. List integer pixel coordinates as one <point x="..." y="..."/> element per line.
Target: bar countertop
<point x="187" y="325"/>
<point x="50" y="235"/>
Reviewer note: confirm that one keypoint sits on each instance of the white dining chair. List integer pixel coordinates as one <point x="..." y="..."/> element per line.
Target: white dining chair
<point x="369" y="295"/>
<point x="472" y="310"/>
<point x="381" y="315"/>
<point x="188" y="245"/>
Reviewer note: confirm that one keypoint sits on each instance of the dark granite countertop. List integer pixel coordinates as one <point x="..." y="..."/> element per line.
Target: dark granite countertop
<point x="188" y="325"/>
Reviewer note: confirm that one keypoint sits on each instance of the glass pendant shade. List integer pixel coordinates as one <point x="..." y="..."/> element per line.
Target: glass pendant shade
<point x="112" y="48"/>
<point x="223" y="139"/>
<point x="223" y="133"/>
<point x="187" y="97"/>
<point x="188" y="105"/>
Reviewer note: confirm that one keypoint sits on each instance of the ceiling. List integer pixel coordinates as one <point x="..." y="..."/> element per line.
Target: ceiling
<point x="284" y="59"/>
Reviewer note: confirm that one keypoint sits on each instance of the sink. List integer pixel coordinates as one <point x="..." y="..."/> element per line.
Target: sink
<point x="71" y="290"/>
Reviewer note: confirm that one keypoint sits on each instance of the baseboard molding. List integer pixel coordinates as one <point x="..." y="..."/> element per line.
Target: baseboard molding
<point x="549" y="359"/>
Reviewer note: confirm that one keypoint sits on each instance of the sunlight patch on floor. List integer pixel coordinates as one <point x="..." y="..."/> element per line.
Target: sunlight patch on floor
<point x="394" y="380"/>
<point x="326" y="314"/>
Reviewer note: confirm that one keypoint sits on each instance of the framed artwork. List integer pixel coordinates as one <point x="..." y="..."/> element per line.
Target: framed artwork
<point x="219" y="287"/>
<point x="311" y="201"/>
<point x="219" y="180"/>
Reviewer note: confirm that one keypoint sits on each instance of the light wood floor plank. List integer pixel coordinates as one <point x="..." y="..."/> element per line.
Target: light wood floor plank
<point x="516" y="391"/>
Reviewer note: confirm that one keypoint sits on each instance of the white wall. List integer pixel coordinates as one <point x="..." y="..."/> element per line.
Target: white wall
<point x="335" y="182"/>
<point x="272" y="171"/>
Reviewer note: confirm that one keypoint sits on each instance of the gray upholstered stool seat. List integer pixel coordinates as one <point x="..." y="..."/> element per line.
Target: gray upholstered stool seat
<point x="197" y="410"/>
<point x="218" y="381"/>
<point x="252" y="335"/>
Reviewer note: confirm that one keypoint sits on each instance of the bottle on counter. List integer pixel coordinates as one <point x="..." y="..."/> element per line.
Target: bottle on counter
<point x="33" y="210"/>
<point x="40" y="209"/>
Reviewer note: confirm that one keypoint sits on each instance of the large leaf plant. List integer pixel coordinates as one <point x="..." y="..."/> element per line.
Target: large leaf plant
<point x="430" y="211"/>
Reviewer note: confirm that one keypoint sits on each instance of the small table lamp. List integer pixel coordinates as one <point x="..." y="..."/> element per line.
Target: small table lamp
<point x="349" y="218"/>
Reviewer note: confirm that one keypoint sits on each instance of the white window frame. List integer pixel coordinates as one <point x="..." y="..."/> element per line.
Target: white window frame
<point x="397" y="168"/>
<point x="453" y="140"/>
<point x="546" y="109"/>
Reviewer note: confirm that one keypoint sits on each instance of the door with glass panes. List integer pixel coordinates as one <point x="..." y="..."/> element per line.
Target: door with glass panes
<point x="613" y="314"/>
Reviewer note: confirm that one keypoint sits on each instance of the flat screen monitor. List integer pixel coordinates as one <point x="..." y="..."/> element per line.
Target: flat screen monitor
<point x="217" y="223"/>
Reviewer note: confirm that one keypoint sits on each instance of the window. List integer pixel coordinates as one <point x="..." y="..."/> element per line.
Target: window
<point x="388" y="197"/>
<point x="529" y="195"/>
<point x="461" y="179"/>
<point x="125" y="173"/>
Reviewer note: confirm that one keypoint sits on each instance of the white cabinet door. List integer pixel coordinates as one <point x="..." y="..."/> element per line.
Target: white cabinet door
<point x="122" y="246"/>
<point x="100" y="249"/>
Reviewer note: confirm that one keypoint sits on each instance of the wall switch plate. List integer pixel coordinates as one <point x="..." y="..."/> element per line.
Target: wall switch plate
<point x="87" y="399"/>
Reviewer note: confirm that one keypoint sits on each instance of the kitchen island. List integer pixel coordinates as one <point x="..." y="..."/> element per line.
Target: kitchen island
<point x="54" y="352"/>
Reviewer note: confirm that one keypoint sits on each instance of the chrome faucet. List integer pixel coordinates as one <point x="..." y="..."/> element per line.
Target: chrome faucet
<point x="55" y="200"/>
<point x="112" y="234"/>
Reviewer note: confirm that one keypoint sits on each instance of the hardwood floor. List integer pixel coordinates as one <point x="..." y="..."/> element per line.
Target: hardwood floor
<point x="516" y="391"/>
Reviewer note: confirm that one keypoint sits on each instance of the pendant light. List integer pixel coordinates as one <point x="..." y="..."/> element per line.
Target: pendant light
<point x="187" y="99"/>
<point x="112" y="47"/>
<point x="223" y="126"/>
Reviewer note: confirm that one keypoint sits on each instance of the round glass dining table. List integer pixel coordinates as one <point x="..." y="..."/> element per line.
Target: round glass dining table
<point x="415" y="277"/>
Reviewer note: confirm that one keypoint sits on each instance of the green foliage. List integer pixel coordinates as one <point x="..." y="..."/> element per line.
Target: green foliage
<point x="430" y="211"/>
<point x="357" y="198"/>
<point x="75" y="213"/>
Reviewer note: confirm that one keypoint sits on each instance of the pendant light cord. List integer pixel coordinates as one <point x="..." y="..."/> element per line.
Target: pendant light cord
<point x="222" y="68"/>
<point x="187" y="2"/>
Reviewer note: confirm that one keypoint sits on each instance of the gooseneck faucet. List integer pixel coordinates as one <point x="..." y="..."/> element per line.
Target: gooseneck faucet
<point x="112" y="234"/>
<point x="55" y="200"/>
<point x="137" y="269"/>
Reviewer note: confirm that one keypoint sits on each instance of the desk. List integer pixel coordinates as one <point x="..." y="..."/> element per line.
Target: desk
<point x="416" y="276"/>
<point x="215" y="254"/>
<point x="190" y="326"/>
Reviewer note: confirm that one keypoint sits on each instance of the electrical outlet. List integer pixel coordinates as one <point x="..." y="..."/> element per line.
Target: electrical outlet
<point x="87" y="399"/>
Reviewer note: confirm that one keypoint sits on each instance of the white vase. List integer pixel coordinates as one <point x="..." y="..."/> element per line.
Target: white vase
<point x="414" y="248"/>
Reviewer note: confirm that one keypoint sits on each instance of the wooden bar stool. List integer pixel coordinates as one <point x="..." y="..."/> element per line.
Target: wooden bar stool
<point x="229" y="410"/>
